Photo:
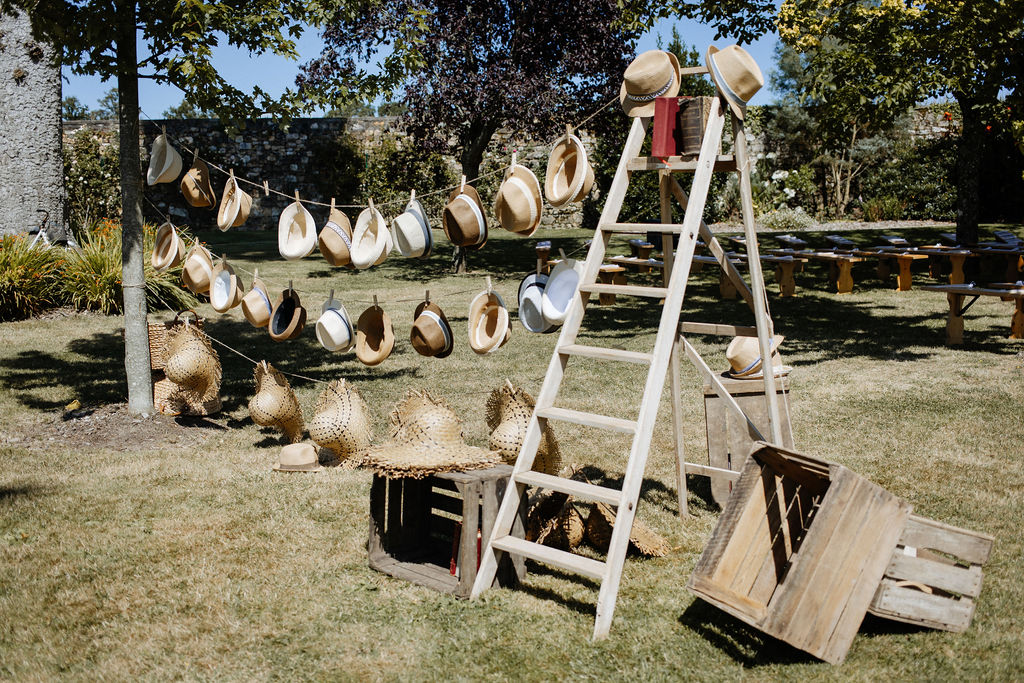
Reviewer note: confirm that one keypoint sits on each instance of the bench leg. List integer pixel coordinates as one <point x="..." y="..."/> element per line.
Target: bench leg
<point x="1011" y="268"/>
<point x="725" y="286"/>
<point x="904" y="278"/>
<point x="935" y="267"/>
<point x="955" y="324"/>
<point x="844" y="283"/>
<point x="883" y="269"/>
<point x="956" y="274"/>
<point x="606" y="279"/>
<point x="784" y="276"/>
<point x="1017" y="323"/>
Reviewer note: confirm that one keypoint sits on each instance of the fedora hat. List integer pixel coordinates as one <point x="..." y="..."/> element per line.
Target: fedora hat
<point x="508" y="413"/>
<point x="531" y="291"/>
<point x="560" y="290"/>
<point x="736" y="75"/>
<point x="411" y="231"/>
<point x="197" y="272"/>
<point x="274" y="404"/>
<point x="287" y="317"/>
<point x="334" y="329"/>
<point x="296" y="232"/>
<point x="518" y="203"/>
<point x="651" y="75"/>
<point x="256" y="306"/>
<point x="335" y="239"/>
<point x="389" y="246"/>
<point x="431" y="333"/>
<point x="341" y="420"/>
<point x="164" y="162"/>
<point x="226" y="290"/>
<point x="168" y="248"/>
<point x="488" y="322"/>
<point x="370" y="238"/>
<point x="298" y="457"/>
<point x="195" y="186"/>
<point x="235" y="205"/>
<point x="463" y="219"/>
<point x="569" y="175"/>
<point x="744" y="355"/>
<point x="375" y="336"/>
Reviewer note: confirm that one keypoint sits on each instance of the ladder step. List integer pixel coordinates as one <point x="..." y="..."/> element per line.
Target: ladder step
<point x="602" y="353"/>
<point x="626" y="290"/>
<point x="579" y="417"/>
<point x="548" y="555"/>
<point x="723" y="162"/>
<point x="641" y="228"/>
<point x="579" y="489"/>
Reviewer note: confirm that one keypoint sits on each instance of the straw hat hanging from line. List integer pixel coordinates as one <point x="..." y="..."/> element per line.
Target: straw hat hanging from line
<point x="274" y="404"/>
<point x="651" y="75"/>
<point x="296" y="232"/>
<point x="335" y="239"/>
<point x="226" y="290"/>
<point x="340" y="420"/>
<point x="164" y="162"/>
<point x="195" y="186"/>
<point x="168" y="249"/>
<point x="464" y="219"/>
<point x="518" y="203"/>
<point x="235" y="205"/>
<point x="197" y="272"/>
<point x="288" y="317"/>
<point x="569" y="176"/>
<point x="736" y="75"/>
<point x="369" y="239"/>
<point x="488" y="322"/>
<point x="256" y="306"/>
<point x="375" y="336"/>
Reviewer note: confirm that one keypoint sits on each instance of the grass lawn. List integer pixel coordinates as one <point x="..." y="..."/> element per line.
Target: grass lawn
<point x="168" y="549"/>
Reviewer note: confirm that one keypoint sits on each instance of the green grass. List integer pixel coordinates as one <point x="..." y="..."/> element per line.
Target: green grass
<point x="188" y="558"/>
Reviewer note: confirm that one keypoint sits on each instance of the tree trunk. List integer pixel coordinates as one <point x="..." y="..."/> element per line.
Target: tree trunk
<point x="472" y="155"/>
<point x="133" y="276"/>
<point x="968" y="172"/>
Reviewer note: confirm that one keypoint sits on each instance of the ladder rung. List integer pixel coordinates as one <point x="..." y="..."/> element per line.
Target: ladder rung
<point x="602" y="353"/>
<point x="641" y="227"/>
<point x="588" y="419"/>
<point x="548" y="555"/>
<point x="626" y="290"/>
<point x="723" y="162"/>
<point x="580" y="489"/>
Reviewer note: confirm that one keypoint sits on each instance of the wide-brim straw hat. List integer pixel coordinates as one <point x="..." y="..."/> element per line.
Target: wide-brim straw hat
<point x="531" y="297"/>
<point x="192" y="363"/>
<point x="164" y="162"/>
<point x="569" y="175"/>
<point x="235" y="205"/>
<point x="744" y="355"/>
<point x="369" y="239"/>
<point x="431" y="333"/>
<point x="488" y="322"/>
<point x="334" y="329"/>
<point x="375" y="336"/>
<point x="341" y="420"/>
<point x="256" y="305"/>
<point x="168" y="248"/>
<point x="296" y="232"/>
<point x="560" y="290"/>
<point x="415" y="207"/>
<point x="736" y="75"/>
<point x="507" y="414"/>
<point x="298" y="457"/>
<point x="226" y="290"/>
<point x="411" y="232"/>
<point x="651" y="75"/>
<point x="274" y="404"/>
<point x="335" y="239"/>
<point x="288" y="317"/>
<point x="518" y="203"/>
<point x="197" y="273"/>
<point x="196" y="187"/>
<point x="464" y="218"/>
<point x="641" y="537"/>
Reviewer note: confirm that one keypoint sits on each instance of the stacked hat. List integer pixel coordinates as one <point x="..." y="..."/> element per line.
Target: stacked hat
<point x="736" y="75"/>
<point x="651" y="75"/>
<point x="168" y="249"/>
<point x="508" y="415"/>
<point x="195" y="186"/>
<point x="193" y="365"/>
<point x="411" y="231"/>
<point x="275" y="404"/>
<point x="569" y="176"/>
<point x="375" y="336"/>
<point x="298" y="457"/>
<point x="256" y="306"/>
<point x="340" y="420"/>
<point x="560" y="291"/>
<point x="371" y="239"/>
<point x="463" y="218"/>
<point x="226" y="290"/>
<point x="197" y="273"/>
<point x="744" y="356"/>
<point x="531" y="293"/>
<point x="164" y="162"/>
<point x="518" y="204"/>
<point x="431" y="334"/>
<point x="235" y="205"/>
<point x="334" y="329"/>
<point x="296" y="232"/>
<point x="287" y="316"/>
<point x="488" y="322"/>
<point x="336" y="239"/>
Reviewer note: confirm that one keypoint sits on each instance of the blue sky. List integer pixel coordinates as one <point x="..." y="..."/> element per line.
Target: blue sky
<point x="275" y="74"/>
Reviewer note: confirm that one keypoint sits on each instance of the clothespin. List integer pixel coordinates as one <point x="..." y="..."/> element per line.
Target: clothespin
<point x="296" y="196"/>
<point x="255" y="272"/>
<point x="513" y="163"/>
<point x="163" y="131"/>
<point x="370" y="202"/>
<point x="568" y="130"/>
<point x="290" y="285"/>
<point x="489" y="287"/>
<point x="231" y="173"/>
<point x="195" y="155"/>
<point x="330" y="298"/>
<point x="412" y="195"/>
<point x="426" y="296"/>
<point x="540" y="266"/>
<point x="509" y="384"/>
<point x="266" y="188"/>
<point x="561" y="252"/>
<point x="462" y="183"/>
<point x="375" y="304"/>
<point x="332" y="209"/>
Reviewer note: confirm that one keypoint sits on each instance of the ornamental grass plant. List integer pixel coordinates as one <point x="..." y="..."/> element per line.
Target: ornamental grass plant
<point x="28" y="277"/>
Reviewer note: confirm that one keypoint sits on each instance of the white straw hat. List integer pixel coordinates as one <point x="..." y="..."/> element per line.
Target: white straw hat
<point x="411" y="232"/>
<point x="226" y="290"/>
<point x="369" y="239"/>
<point x="296" y="232"/>
<point x="560" y="290"/>
<point x="488" y="322"/>
<point x="531" y="291"/>
<point x="334" y="329"/>
<point x="235" y="205"/>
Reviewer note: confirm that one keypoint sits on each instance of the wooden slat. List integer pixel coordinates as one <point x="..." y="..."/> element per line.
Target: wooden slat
<point x="707" y="471"/>
<point x="625" y="290"/>
<point x="641" y="228"/>
<point x="912" y="606"/>
<point x="614" y="424"/>
<point x="946" y="577"/>
<point x="740" y="606"/>
<point x="970" y="546"/>
<point x="717" y="545"/>
<point x="604" y="353"/>
<point x="722" y="162"/>
<point x="552" y="556"/>
<point x="579" y="489"/>
<point x="759" y="547"/>
<point x="749" y="526"/>
<point x="718" y="329"/>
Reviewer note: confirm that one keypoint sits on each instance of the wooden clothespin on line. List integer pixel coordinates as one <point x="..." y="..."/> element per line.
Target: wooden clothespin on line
<point x="332" y="209"/>
<point x="195" y="155"/>
<point x="266" y="189"/>
<point x="509" y="385"/>
<point x="540" y="266"/>
<point x="370" y="203"/>
<point x="490" y="289"/>
<point x="568" y="131"/>
<point x="412" y="195"/>
<point x="561" y="252"/>
<point x="255" y="272"/>
<point x="290" y="288"/>
<point x="375" y="304"/>
<point x="462" y="183"/>
<point x="330" y="298"/>
<point x="426" y="296"/>
<point x="296" y="196"/>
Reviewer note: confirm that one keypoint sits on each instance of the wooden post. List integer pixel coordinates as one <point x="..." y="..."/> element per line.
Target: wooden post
<point x="955" y="324"/>
<point x="956" y="274"/>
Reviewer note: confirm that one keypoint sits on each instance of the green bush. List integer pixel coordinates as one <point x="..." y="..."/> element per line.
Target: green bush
<point x="786" y="219"/>
<point x="920" y="175"/>
<point x="888" y="208"/>
<point x="28" y="278"/>
<point x="392" y="170"/>
<point x="341" y="166"/>
<point x="92" y="178"/>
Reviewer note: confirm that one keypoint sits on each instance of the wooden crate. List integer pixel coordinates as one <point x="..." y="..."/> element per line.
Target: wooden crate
<point x="800" y="549"/>
<point x="934" y="576"/>
<point x="418" y="526"/>
<point x="729" y="437"/>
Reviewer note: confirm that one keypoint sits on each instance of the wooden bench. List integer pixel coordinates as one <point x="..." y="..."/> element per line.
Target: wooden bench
<point x="785" y="266"/>
<point x="840" y="243"/>
<point x="938" y="255"/>
<point x="791" y="241"/>
<point x="840" y="270"/>
<point x="955" y="295"/>
<point x="610" y="275"/>
<point x="640" y="265"/>
<point x="904" y="257"/>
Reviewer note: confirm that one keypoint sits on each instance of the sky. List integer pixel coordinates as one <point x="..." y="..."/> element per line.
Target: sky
<point x="274" y="73"/>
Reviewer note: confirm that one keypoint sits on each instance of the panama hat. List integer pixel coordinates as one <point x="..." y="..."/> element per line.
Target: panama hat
<point x="296" y="232"/>
<point x="256" y="306"/>
<point x="164" y="162"/>
<point x="744" y="355"/>
<point x="335" y="239"/>
<point x="370" y="238"/>
<point x="651" y="75"/>
<point x="195" y="186"/>
<point x="168" y="248"/>
<point x="334" y="329"/>
<point x="488" y="322"/>
<point x="274" y="404"/>
<point x="298" y="457"/>
<point x="375" y="336"/>
<point x="340" y="420"/>
<point x="389" y="246"/>
<point x="518" y="204"/>
<point x="226" y="290"/>
<point x="507" y="414"/>
<point x="531" y="291"/>
<point x="560" y="290"/>
<point x="463" y="219"/>
<point x="235" y="205"/>
<point x="736" y="75"/>
<point x="411" y="231"/>
<point x="198" y="269"/>
<point x="569" y="175"/>
<point x="287" y="317"/>
<point x="431" y="333"/>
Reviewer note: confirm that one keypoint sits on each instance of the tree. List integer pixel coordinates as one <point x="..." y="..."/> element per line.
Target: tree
<point x="108" y="106"/>
<point x="887" y="56"/>
<point x="72" y="109"/>
<point x="186" y="110"/>
<point x="353" y="108"/>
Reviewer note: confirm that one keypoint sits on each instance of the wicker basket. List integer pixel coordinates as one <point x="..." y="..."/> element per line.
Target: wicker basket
<point x="158" y="338"/>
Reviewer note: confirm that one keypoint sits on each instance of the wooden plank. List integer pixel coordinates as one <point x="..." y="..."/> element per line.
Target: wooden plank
<point x="577" y="564"/>
<point x="468" y="544"/>
<point x="912" y="606"/>
<point x="377" y="494"/>
<point x="785" y="537"/>
<point x="759" y="547"/>
<point x="666" y="226"/>
<point x="614" y="424"/>
<point x="950" y="578"/>
<point x="718" y="329"/>
<point x="736" y="604"/>
<point x="722" y="162"/>
<point x="696" y="468"/>
<point x="970" y="546"/>
<point x="603" y="353"/>
<point x="748" y="526"/>
<point x="446" y="503"/>
<point x="579" y="489"/>
<point x="394" y="537"/>
<point x="625" y="290"/>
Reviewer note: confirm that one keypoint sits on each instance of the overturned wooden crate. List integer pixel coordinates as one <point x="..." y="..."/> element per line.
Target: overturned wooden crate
<point x="800" y="549"/>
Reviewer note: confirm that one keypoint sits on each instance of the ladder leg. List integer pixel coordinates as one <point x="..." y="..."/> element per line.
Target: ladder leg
<point x="677" y="432"/>
<point x="667" y="257"/>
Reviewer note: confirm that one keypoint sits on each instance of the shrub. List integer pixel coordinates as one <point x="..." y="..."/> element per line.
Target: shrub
<point x="785" y="220"/>
<point x="392" y="170"/>
<point x="92" y="177"/>
<point x="28" y="277"/>
<point x="920" y="175"/>
<point x="888" y="208"/>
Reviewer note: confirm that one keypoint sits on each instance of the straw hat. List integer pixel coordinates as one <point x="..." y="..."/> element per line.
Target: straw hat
<point x="736" y="75"/>
<point x="168" y="249"/>
<point x="296" y="232"/>
<point x="426" y="438"/>
<point x="641" y="537"/>
<point x="235" y="205"/>
<point x="340" y="420"/>
<point x="370" y="238"/>
<point x="226" y="290"/>
<point x="334" y="328"/>
<point x="335" y="239"/>
<point x="298" y="457"/>
<point x="508" y="413"/>
<point x="194" y="366"/>
<point x="275" y="404"/>
<point x="531" y="294"/>
<point x="518" y="204"/>
<point x="389" y="246"/>
<point x="411" y="231"/>
<point x="744" y="355"/>
<point x="569" y="176"/>
<point x="564" y="529"/>
<point x="195" y="186"/>
<point x="197" y="272"/>
<point x="488" y="322"/>
<point x="164" y="162"/>
<point x="560" y="290"/>
<point x="375" y="336"/>
<point x="256" y="306"/>
<point x="287" y="316"/>
<point x="651" y="75"/>
<point x="463" y="219"/>
<point x="431" y="333"/>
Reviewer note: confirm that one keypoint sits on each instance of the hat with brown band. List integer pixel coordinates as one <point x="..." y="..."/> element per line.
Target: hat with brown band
<point x="168" y="248"/>
<point x="518" y="203"/>
<point x="298" y="457"/>
<point x="288" y="317"/>
<point x="431" y="333"/>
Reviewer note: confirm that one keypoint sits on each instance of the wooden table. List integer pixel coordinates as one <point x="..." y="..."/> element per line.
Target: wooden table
<point x="956" y="257"/>
<point x="904" y="258"/>
<point x="840" y="271"/>
<point x="955" y="295"/>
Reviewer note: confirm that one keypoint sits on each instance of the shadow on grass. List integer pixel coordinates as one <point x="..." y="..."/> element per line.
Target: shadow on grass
<point x="746" y="645"/>
<point x="579" y="606"/>
<point x="29" y="491"/>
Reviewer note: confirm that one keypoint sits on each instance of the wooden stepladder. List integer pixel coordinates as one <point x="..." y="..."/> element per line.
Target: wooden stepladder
<point x="662" y="361"/>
